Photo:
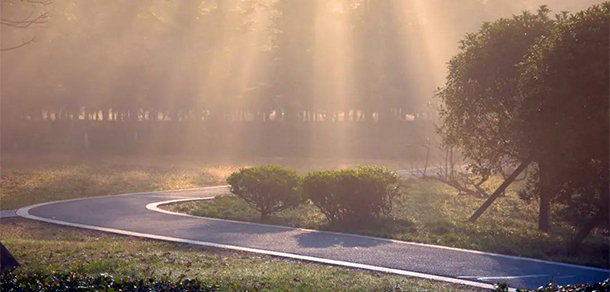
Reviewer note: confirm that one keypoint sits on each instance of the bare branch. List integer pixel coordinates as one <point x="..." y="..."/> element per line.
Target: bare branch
<point x="35" y="2"/>
<point x="27" y="22"/>
<point x="19" y="46"/>
<point x="43" y="3"/>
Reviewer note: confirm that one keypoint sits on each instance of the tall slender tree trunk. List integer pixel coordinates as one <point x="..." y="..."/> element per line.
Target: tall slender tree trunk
<point x="545" y="199"/>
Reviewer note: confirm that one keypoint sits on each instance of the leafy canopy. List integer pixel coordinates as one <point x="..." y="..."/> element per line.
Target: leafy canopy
<point x="352" y="196"/>
<point x="479" y="98"/>
<point x="267" y="189"/>
<point x="562" y="116"/>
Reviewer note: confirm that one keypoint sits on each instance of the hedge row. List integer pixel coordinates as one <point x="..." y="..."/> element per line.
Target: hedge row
<point x="350" y="196"/>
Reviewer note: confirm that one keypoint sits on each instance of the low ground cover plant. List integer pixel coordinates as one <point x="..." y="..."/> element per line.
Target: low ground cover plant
<point x="24" y="282"/>
<point x="267" y="189"/>
<point x="15" y="280"/>
<point x="603" y="286"/>
<point x="352" y="196"/>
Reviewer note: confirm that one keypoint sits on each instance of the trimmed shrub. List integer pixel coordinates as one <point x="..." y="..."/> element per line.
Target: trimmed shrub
<point x="267" y="189"/>
<point x="25" y="282"/>
<point x="352" y="196"/>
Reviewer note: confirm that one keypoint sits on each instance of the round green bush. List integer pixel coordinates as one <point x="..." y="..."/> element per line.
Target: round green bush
<point x="352" y="196"/>
<point x="267" y="189"/>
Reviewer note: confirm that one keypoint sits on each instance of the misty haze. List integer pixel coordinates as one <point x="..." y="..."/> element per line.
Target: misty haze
<point x="254" y="142"/>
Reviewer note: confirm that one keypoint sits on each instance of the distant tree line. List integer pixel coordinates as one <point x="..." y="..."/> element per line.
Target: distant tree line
<point x="207" y="64"/>
<point x="215" y="63"/>
<point x="200" y="74"/>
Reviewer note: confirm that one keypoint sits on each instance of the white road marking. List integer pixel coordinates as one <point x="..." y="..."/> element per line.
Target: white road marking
<point x="567" y="276"/>
<point x="170" y="197"/>
<point x="502" y="277"/>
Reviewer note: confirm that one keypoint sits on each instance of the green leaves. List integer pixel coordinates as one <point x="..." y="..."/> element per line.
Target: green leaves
<point x="267" y="189"/>
<point x="352" y="196"/>
<point x="532" y="86"/>
<point x="480" y="95"/>
<point x="355" y="195"/>
<point x="563" y="117"/>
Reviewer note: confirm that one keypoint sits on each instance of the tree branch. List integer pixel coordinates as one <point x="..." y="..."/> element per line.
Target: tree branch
<point x="18" y="46"/>
<point x="27" y="22"/>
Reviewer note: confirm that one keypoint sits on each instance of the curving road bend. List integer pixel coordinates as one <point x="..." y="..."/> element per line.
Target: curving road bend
<point x="139" y="215"/>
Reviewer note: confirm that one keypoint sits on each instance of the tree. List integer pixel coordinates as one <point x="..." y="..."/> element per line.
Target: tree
<point x="23" y="22"/>
<point x="293" y="25"/>
<point x="563" y="117"/>
<point x="480" y="94"/>
<point x="7" y="261"/>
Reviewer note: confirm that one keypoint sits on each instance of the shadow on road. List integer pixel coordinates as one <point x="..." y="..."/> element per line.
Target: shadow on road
<point x="325" y="240"/>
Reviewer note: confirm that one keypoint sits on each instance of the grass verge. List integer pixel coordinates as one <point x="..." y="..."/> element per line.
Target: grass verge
<point x="45" y="247"/>
<point x="430" y="212"/>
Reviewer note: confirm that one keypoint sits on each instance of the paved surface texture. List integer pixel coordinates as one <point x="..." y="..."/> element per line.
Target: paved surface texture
<point x="128" y="214"/>
<point x="8" y="213"/>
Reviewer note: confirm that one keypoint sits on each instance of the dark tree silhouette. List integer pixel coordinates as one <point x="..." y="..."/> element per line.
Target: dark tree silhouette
<point x="480" y="96"/>
<point x="564" y="116"/>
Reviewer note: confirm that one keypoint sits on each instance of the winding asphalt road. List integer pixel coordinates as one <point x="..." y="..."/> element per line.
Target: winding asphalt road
<point x="139" y="215"/>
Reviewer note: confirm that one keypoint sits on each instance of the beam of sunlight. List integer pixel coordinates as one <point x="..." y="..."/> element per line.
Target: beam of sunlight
<point x="333" y="73"/>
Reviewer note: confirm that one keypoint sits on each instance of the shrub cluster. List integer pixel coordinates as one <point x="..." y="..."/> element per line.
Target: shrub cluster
<point x="352" y="196"/>
<point x="267" y="189"/>
<point x="349" y="196"/>
<point x="13" y="281"/>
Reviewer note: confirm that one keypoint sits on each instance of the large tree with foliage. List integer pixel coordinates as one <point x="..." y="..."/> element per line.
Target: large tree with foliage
<point x="480" y="95"/>
<point x="562" y="118"/>
<point x="532" y="88"/>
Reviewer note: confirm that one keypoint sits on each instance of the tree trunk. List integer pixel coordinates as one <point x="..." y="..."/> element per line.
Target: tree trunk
<point x="597" y="219"/>
<point x="545" y="199"/>
<point x="545" y="205"/>
<point x="499" y="191"/>
<point x="7" y="261"/>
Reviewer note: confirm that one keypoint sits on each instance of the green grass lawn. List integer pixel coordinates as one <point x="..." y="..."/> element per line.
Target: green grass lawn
<point x="430" y="212"/>
<point x="27" y="179"/>
<point x="45" y="247"/>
